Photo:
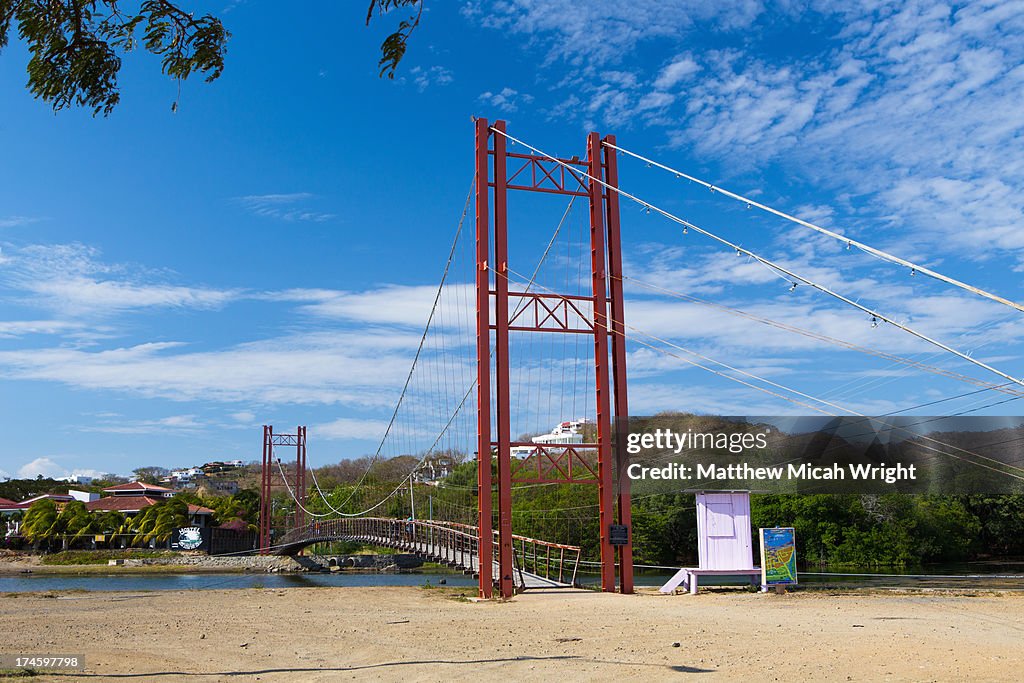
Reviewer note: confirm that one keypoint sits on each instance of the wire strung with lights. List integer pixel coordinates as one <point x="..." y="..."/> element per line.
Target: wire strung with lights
<point x="877" y="253"/>
<point x="782" y="270"/>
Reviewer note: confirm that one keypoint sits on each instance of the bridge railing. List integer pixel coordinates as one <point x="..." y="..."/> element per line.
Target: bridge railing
<point x="449" y="542"/>
<point x="554" y="561"/>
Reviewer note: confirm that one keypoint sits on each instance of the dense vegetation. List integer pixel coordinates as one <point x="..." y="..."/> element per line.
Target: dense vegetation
<point x="837" y="530"/>
<point x="894" y="530"/>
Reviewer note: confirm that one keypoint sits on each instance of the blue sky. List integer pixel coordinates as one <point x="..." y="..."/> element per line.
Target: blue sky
<point x="267" y="254"/>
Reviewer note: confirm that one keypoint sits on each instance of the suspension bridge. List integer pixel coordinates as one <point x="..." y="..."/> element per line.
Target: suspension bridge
<point x="508" y="350"/>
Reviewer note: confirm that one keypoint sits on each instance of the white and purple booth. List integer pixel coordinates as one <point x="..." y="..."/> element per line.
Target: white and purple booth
<point x="724" y="541"/>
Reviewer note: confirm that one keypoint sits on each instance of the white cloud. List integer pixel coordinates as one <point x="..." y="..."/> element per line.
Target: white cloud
<point x="360" y="368"/>
<point x="432" y="75"/>
<point x="17" y="221"/>
<point x="352" y="428"/>
<point x="407" y="305"/>
<point x="243" y="416"/>
<point x="287" y="207"/>
<point x="599" y="33"/>
<point x="506" y="99"/>
<point x="70" y="278"/>
<point x="21" y="328"/>
<point x="48" y="468"/>
<point x="165" y="425"/>
<point x="41" y="466"/>
<point x="676" y="72"/>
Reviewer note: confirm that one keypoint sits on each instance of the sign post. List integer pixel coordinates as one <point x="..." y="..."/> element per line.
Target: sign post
<point x="778" y="558"/>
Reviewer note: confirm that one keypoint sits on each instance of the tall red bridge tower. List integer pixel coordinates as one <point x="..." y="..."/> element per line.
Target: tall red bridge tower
<point x="275" y="474"/>
<point x="497" y="172"/>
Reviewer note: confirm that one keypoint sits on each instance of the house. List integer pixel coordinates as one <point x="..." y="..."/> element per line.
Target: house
<point x="129" y="505"/>
<point x="228" y="487"/>
<point x="58" y="498"/>
<point x="434" y="468"/>
<point x="138" y="488"/>
<point x="8" y="508"/>
<point x="79" y="479"/>
<point x="83" y="496"/>
<point x="564" y="433"/>
<point x="130" y="498"/>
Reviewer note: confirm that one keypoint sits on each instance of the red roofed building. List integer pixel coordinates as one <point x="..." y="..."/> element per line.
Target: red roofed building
<point x="128" y="504"/>
<point x="58" y="498"/>
<point x="138" y="488"/>
<point x="8" y="508"/>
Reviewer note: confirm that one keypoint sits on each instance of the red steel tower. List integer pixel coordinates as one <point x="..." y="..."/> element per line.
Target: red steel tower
<point x="276" y="475"/>
<point x="497" y="172"/>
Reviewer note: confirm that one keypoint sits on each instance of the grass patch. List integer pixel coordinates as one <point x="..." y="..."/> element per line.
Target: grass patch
<point x="84" y="557"/>
<point x="456" y="593"/>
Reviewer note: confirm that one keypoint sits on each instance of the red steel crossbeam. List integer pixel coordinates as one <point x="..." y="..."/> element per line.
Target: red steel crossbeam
<point x="564" y="313"/>
<point x="554" y="463"/>
<point x="547" y="175"/>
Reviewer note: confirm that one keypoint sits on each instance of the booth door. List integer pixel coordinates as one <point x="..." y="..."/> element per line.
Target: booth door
<point x="723" y="531"/>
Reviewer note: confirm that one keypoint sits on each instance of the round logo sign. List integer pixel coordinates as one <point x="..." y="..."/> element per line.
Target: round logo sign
<point x="190" y="538"/>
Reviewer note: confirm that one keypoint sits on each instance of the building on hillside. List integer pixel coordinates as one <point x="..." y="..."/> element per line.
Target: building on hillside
<point x="228" y="487"/>
<point x="84" y="496"/>
<point x="218" y="466"/>
<point x="79" y="479"/>
<point x="434" y="468"/>
<point x="138" y="488"/>
<point x="568" y="432"/>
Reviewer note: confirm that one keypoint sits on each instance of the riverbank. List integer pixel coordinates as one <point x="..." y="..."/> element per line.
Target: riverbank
<point x="410" y="634"/>
<point x="34" y="564"/>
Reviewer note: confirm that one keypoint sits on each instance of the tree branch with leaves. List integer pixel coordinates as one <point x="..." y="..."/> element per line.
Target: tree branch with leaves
<point x="76" y="46"/>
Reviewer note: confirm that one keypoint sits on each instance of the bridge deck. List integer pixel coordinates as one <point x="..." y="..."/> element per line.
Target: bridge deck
<point x="443" y="554"/>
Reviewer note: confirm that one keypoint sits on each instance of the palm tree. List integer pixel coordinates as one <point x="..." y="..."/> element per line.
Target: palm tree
<point x="40" y="522"/>
<point x="158" y="522"/>
<point x="75" y="521"/>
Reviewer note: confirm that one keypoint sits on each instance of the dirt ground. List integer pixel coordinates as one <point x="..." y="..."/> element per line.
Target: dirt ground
<point x="417" y="634"/>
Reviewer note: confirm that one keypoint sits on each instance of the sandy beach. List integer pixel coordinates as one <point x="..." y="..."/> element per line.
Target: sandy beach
<point x="417" y="634"/>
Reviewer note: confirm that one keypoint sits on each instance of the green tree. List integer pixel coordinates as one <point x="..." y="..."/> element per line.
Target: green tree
<point x="158" y="522"/>
<point x="150" y="475"/>
<point x="40" y="522"/>
<point x="76" y="46"/>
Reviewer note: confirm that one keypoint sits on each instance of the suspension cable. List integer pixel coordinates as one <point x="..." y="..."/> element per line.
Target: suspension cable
<point x="419" y="349"/>
<point x="830" y="340"/>
<point x="876" y="316"/>
<point x="799" y="393"/>
<point x="878" y="253"/>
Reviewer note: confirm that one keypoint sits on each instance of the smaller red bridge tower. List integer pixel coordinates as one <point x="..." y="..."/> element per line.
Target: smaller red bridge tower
<point x="275" y="474"/>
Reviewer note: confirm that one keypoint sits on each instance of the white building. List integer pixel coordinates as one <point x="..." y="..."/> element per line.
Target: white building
<point x="568" y="432"/>
<point x="83" y="496"/>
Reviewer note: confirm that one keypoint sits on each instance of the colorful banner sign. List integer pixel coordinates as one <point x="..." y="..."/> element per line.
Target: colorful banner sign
<point x="778" y="557"/>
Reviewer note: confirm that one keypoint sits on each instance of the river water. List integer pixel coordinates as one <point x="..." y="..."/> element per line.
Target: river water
<point x="200" y="581"/>
<point x="1003" y="576"/>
